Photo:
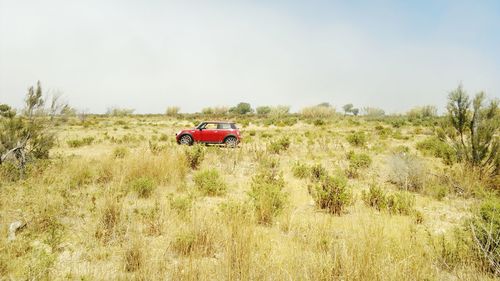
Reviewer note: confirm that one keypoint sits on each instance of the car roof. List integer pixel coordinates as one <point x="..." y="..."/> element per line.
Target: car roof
<point x="219" y="122"/>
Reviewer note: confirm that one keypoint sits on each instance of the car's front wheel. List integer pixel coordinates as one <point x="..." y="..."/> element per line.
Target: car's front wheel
<point x="231" y="142"/>
<point x="186" y="140"/>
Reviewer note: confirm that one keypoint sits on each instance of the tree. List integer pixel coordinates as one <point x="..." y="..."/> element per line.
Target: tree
<point x="324" y="104"/>
<point x="279" y="111"/>
<point x="172" y="111"/>
<point x="422" y="112"/>
<point x="347" y="108"/>
<point x="475" y="126"/>
<point x="373" y="112"/>
<point x="355" y="111"/>
<point x="263" y="110"/>
<point x="242" y="108"/>
<point x="26" y="136"/>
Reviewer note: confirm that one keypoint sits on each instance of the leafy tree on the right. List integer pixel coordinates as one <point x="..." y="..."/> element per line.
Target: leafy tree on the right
<point x="475" y="127"/>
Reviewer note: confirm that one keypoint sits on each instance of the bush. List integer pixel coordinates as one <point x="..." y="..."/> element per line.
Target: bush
<point x="317" y="172"/>
<point x="172" y="111"/>
<point x="375" y="197"/>
<point x="331" y="194"/>
<point x="357" y="139"/>
<point x="143" y="186"/>
<point x="198" y="240"/>
<point x="435" y="147"/>
<point x="485" y="229"/>
<point x="401" y="202"/>
<point x="194" y="156"/>
<point x="80" y="142"/>
<point x="407" y="172"/>
<point x="134" y="256"/>
<point x="318" y="122"/>
<point x="267" y="192"/>
<point x="182" y="204"/>
<point x="300" y="170"/>
<point x="279" y="145"/>
<point x="318" y="111"/>
<point x="109" y="221"/>
<point x="210" y="183"/>
<point x="356" y="162"/>
<point x="120" y="152"/>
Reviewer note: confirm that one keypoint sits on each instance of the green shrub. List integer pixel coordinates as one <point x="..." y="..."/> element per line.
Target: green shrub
<point x="317" y="172"/>
<point x="319" y="122"/>
<point x="401" y="202"/>
<point x="357" y="162"/>
<point x="184" y="242"/>
<point x="300" y="170"/>
<point x="266" y="192"/>
<point x="143" y="186"/>
<point x="331" y="194"/>
<point x="120" y="152"/>
<point x="182" y="204"/>
<point x="82" y="176"/>
<point x="80" y="142"/>
<point x="375" y="197"/>
<point x="485" y="230"/>
<point x="194" y="156"/>
<point x="357" y="138"/>
<point x="210" y="183"/>
<point x="279" y="145"/>
<point x="155" y="147"/>
<point x="435" y="147"/>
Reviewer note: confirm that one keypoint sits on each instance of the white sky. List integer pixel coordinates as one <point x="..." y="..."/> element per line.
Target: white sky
<point x="148" y="55"/>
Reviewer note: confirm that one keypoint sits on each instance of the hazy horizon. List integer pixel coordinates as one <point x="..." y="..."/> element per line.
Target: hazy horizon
<point x="153" y="54"/>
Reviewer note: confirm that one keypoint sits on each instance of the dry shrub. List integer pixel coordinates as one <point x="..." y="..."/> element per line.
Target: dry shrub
<point x="318" y="111"/>
<point x="109" y="220"/>
<point x="240" y="242"/>
<point x="408" y="172"/>
<point x="199" y="238"/>
<point x="133" y="256"/>
<point x="194" y="156"/>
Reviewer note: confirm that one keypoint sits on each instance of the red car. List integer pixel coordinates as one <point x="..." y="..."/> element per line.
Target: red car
<point x="211" y="133"/>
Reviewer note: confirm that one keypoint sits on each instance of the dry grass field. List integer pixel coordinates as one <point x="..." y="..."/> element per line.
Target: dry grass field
<point x="343" y="198"/>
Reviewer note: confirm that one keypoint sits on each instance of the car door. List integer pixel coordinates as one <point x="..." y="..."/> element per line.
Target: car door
<point x="224" y="130"/>
<point x="209" y="133"/>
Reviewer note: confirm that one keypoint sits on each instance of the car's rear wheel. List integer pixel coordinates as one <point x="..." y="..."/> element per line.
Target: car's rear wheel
<point x="231" y="142"/>
<point x="186" y="140"/>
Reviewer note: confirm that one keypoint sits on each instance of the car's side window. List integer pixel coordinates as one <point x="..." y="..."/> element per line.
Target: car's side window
<point x="224" y="126"/>
<point x="211" y="126"/>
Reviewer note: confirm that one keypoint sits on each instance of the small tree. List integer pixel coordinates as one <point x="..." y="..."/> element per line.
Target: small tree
<point x="475" y="134"/>
<point x="242" y="108"/>
<point x="27" y="136"/>
<point x="263" y="110"/>
<point x="172" y="111"/>
<point x="347" y="108"/>
<point x="355" y="111"/>
<point x="373" y="112"/>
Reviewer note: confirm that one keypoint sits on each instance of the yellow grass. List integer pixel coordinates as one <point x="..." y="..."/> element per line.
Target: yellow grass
<point x="84" y="222"/>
